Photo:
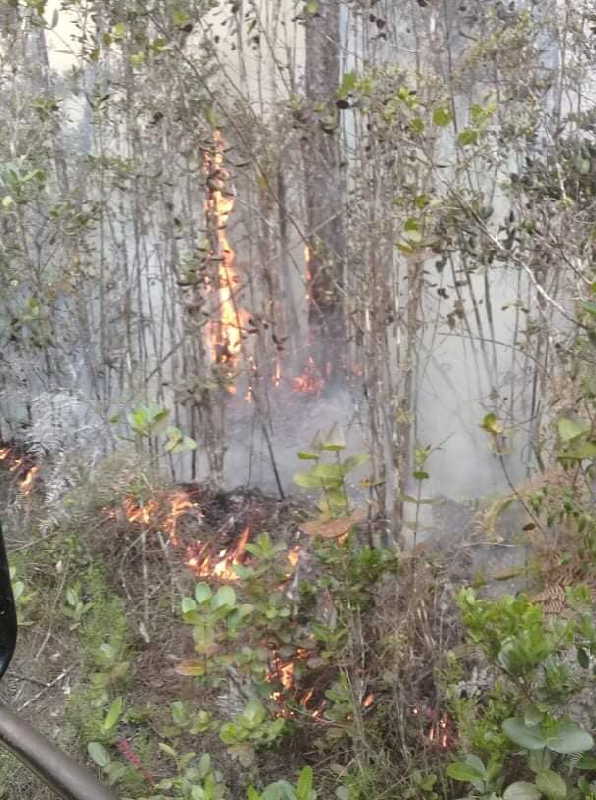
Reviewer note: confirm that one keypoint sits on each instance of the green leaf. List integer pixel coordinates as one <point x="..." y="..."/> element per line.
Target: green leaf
<point x="202" y="592"/>
<point x="589" y="306"/>
<point x="99" y="754"/>
<point x="305" y="784"/>
<point x="578" y="451"/>
<point x="492" y="424"/>
<point x="551" y="784"/>
<point x="311" y="7"/>
<point x="524" y="735"/>
<point x="468" y="771"/>
<point x="587" y="761"/>
<point x="230" y="733"/>
<point x="539" y="760"/>
<point x="180" y="18"/>
<point x="348" y="84"/>
<point x="165" y="748"/>
<point x="225" y="596"/>
<point x="334" y="441"/>
<point x="254" y="713"/>
<point x="305" y="455"/>
<point x="442" y="116"/>
<point x="306" y="480"/>
<point x="533" y="715"/>
<point x="570" y="429"/>
<point x="351" y="462"/>
<point x="420" y="475"/>
<point x="113" y="714"/>
<point x="118" y="30"/>
<point x="328" y="474"/>
<point x="204" y="765"/>
<point x="569" y="738"/>
<point x="179" y="713"/>
<point x="467" y="136"/>
<point x="521" y="790"/>
<point x="188" y="604"/>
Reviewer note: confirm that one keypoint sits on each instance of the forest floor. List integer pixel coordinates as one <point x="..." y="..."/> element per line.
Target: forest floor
<point x="349" y="659"/>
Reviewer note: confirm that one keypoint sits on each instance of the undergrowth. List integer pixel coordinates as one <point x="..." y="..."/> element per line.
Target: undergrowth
<point x="315" y="666"/>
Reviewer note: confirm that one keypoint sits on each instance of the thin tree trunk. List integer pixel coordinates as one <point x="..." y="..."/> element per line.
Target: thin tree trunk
<point x="326" y="246"/>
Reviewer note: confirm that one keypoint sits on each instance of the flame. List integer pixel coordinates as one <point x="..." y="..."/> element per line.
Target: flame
<point x="222" y="565"/>
<point x="180" y="504"/>
<point x="277" y="374"/>
<point x="136" y="512"/>
<point x="26" y="484"/>
<point x="20" y="466"/>
<point x="440" y="732"/>
<point x="311" y="380"/>
<point x="224" y="334"/>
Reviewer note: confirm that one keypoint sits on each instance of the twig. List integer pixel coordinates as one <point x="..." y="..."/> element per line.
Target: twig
<point x="26" y="678"/>
<point x="46" y="687"/>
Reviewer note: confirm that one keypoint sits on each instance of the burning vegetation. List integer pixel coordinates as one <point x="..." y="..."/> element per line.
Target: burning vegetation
<point x="294" y="642"/>
<point x="20" y="464"/>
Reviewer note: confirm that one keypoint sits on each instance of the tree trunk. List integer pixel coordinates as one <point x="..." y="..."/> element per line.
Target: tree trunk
<point x="326" y="246"/>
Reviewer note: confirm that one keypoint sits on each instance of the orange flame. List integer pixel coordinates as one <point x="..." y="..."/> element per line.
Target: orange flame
<point x="20" y="466"/>
<point x="311" y="381"/>
<point x="222" y="565"/>
<point x="224" y="334"/>
<point x="26" y="484"/>
<point x="180" y="503"/>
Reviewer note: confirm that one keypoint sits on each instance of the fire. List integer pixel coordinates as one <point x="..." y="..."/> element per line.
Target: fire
<point x="224" y="334"/>
<point x="222" y="565"/>
<point x="180" y="504"/>
<point x="311" y="381"/>
<point x="440" y="732"/>
<point x="164" y="513"/>
<point x="28" y="481"/>
<point x="136" y="512"/>
<point x="277" y="374"/>
<point x="21" y="467"/>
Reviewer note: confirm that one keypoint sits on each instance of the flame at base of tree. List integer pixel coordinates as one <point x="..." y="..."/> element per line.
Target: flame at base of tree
<point x="225" y="332"/>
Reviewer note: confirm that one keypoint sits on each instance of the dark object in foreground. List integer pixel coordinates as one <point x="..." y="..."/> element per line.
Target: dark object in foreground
<point x="68" y="779"/>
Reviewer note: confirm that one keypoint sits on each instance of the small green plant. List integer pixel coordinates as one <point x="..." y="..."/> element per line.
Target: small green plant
<point x="147" y="422"/>
<point x="23" y="599"/>
<point x="75" y="607"/>
<point x="282" y="790"/>
<point x="250" y="730"/>
<point x="329" y="476"/>
<point x="536" y="682"/>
